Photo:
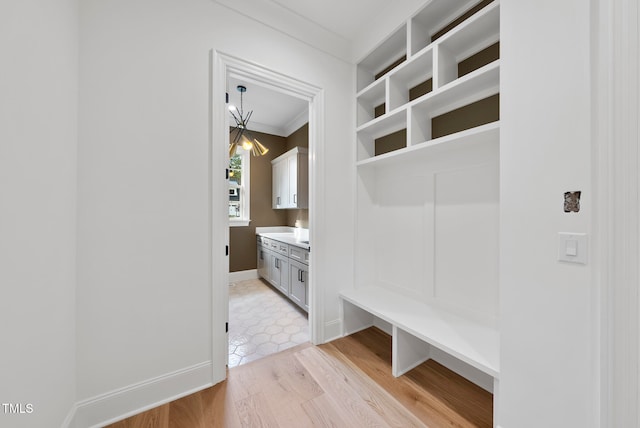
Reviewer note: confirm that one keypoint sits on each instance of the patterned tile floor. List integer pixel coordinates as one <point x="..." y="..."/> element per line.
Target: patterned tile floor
<point x="262" y="322"/>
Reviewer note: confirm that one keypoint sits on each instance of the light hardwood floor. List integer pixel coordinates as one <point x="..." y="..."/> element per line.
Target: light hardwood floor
<point x="346" y="383"/>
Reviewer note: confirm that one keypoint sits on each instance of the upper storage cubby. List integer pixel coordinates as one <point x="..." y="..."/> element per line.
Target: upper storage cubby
<point x="438" y="18"/>
<point x="437" y="75"/>
<point x="387" y="56"/>
<point x="469" y="46"/>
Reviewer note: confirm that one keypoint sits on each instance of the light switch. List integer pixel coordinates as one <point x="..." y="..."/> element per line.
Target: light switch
<point x="572" y="247"/>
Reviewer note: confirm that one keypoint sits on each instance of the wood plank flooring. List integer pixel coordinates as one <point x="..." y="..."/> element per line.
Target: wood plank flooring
<point x="345" y="383"/>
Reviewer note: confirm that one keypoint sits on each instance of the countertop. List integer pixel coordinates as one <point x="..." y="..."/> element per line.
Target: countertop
<point x="286" y="236"/>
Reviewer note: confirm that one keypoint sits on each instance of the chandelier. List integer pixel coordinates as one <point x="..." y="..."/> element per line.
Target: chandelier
<point x="240" y="135"/>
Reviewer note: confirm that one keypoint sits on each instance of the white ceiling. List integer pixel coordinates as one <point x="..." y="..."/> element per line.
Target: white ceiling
<point x="344" y="18"/>
<point x="273" y="112"/>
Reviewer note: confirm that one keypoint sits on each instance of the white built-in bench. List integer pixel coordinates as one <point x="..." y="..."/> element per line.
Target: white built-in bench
<point x="416" y="327"/>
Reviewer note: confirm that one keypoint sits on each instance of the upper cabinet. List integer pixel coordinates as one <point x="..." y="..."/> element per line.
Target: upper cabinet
<point x="291" y="179"/>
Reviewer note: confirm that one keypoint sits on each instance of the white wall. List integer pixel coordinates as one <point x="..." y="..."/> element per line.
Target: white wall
<point x="546" y="350"/>
<point x="38" y="141"/>
<point x="143" y="290"/>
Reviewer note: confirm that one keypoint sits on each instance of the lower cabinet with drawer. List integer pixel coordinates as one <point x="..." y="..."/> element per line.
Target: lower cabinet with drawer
<point x="286" y="267"/>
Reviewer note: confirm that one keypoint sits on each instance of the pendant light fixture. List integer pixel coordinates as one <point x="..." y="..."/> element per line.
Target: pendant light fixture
<point x="241" y="134"/>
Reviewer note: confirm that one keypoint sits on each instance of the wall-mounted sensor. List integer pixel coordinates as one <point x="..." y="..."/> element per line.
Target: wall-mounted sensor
<point x="572" y="202"/>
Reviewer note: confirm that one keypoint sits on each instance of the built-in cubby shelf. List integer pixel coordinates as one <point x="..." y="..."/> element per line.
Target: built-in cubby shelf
<point x="417" y="114"/>
<point x="459" y="68"/>
<point x="427" y="190"/>
<point x="488" y="134"/>
<point x="471" y="37"/>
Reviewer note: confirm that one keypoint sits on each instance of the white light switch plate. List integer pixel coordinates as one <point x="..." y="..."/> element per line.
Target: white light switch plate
<point x="573" y="247"/>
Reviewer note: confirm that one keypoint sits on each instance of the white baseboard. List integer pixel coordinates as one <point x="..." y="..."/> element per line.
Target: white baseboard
<point x="69" y="420"/>
<point x="243" y="275"/>
<point x="332" y="330"/>
<point x="122" y="403"/>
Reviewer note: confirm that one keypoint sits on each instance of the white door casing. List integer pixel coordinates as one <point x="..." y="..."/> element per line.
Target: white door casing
<point x="616" y="115"/>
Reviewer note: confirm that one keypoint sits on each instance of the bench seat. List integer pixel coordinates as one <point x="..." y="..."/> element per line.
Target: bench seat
<point x="414" y="322"/>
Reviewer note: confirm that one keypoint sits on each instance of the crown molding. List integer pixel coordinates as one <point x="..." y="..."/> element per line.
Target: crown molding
<point x="297" y="122"/>
<point x="283" y="20"/>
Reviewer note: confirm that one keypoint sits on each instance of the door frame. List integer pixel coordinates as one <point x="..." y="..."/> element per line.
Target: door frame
<point x="616" y="113"/>
<point x="221" y="66"/>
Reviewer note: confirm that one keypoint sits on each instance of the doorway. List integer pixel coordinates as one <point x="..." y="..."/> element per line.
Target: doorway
<point x="222" y="66"/>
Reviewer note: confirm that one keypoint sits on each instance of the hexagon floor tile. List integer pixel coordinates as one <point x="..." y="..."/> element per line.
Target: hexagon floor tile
<point x="262" y="322"/>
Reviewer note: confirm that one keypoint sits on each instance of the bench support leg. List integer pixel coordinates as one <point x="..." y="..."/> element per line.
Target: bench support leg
<point x="408" y="352"/>
<point x="354" y="318"/>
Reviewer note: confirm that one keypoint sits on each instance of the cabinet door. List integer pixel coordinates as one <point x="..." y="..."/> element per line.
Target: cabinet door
<point x="299" y="175"/>
<point x="299" y="287"/>
<point x="280" y="182"/>
<point x="278" y="273"/>
<point x="292" y="177"/>
<point x="263" y="262"/>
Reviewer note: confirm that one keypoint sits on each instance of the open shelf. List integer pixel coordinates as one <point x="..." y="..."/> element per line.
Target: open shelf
<point x="464" y="91"/>
<point x="382" y="58"/>
<point x="385" y="124"/>
<point x="470" y="88"/>
<point x="407" y="76"/>
<point x="465" y="60"/>
<point x="378" y="128"/>
<point x="369" y="99"/>
<point x="482" y="135"/>
<point x="433" y="18"/>
<point x="472" y="36"/>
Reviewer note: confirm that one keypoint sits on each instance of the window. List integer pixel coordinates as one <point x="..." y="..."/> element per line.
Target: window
<point x="239" y="188"/>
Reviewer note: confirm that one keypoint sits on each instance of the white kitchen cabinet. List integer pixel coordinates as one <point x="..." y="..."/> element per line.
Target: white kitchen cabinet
<point x="280" y="178"/>
<point x="298" y="284"/>
<point x="279" y="272"/>
<point x="264" y="258"/>
<point x="290" y="179"/>
<point x="286" y="267"/>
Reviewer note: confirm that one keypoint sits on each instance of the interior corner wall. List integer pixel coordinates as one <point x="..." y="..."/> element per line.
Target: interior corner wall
<point x="144" y="294"/>
<point x="38" y="146"/>
<point x="546" y="377"/>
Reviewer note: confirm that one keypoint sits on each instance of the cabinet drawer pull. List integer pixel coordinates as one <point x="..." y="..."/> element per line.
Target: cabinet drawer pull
<point x="295" y="198"/>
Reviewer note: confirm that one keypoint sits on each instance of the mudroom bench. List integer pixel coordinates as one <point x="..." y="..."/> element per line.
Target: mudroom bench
<point x="417" y="327"/>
